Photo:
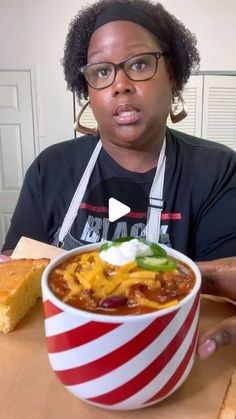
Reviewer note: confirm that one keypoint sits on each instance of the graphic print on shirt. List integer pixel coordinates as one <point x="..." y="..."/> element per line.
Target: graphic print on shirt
<point x="93" y="223"/>
<point x="93" y="212"/>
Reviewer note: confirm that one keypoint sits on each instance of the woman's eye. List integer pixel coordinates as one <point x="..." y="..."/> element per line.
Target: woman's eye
<point x="103" y="72"/>
<point x="138" y="65"/>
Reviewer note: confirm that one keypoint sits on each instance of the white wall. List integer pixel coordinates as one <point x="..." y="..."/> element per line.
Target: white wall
<point x="33" y="34"/>
<point x="213" y="22"/>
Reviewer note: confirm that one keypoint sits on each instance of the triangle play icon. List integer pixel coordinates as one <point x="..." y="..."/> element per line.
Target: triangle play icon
<point x="116" y="209"/>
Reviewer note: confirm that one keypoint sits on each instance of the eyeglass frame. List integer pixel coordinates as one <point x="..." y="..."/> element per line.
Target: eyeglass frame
<point x="121" y="65"/>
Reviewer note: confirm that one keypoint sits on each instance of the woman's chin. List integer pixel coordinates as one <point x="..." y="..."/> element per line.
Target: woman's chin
<point x="128" y="136"/>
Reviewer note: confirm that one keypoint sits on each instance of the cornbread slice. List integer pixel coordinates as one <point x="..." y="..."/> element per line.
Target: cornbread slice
<point x="20" y="287"/>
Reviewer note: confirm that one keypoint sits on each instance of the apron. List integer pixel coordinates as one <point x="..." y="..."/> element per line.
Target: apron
<point x="65" y="240"/>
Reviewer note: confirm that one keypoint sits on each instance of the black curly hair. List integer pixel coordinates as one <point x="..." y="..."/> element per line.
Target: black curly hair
<point x="173" y="37"/>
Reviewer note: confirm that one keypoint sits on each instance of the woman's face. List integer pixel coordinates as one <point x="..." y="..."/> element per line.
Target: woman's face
<point x="129" y="113"/>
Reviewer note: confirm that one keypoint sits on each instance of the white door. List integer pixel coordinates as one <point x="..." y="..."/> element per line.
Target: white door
<point x="17" y="145"/>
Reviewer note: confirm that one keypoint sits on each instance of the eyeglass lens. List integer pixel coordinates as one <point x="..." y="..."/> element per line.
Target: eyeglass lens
<point x="137" y="68"/>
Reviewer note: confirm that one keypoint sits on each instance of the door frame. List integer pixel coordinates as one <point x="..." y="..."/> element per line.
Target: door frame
<point x="35" y="97"/>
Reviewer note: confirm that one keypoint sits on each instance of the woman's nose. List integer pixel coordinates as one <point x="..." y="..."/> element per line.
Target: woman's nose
<point x="122" y="83"/>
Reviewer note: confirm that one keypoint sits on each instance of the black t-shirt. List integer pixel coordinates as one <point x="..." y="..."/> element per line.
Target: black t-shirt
<point x="110" y="180"/>
<point x="199" y="196"/>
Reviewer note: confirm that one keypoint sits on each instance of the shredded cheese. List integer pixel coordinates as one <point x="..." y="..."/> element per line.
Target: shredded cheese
<point x="90" y="272"/>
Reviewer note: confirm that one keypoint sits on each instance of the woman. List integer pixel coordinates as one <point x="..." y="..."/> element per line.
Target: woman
<point x="132" y="60"/>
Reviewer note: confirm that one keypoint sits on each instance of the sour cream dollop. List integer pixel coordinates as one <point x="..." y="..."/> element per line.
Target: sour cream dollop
<point x="125" y="252"/>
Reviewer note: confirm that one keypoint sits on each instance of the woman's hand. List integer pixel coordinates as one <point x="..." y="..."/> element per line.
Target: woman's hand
<point x="224" y="333"/>
<point x="218" y="278"/>
<point x="4" y="258"/>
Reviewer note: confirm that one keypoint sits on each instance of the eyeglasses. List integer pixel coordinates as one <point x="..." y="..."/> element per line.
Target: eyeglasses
<point x="139" y="67"/>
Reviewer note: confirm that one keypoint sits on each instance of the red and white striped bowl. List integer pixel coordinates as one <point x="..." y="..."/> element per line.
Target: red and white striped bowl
<point x="121" y="362"/>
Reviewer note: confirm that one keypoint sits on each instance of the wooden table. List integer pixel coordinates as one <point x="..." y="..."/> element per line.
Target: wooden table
<point x="30" y="390"/>
<point x="228" y="409"/>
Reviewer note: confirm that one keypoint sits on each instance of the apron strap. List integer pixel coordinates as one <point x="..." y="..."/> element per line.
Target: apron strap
<point x="155" y="199"/>
<point x="78" y="196"/>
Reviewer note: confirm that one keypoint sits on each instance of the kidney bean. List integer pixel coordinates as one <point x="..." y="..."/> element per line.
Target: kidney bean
<point x="114" y="301"/>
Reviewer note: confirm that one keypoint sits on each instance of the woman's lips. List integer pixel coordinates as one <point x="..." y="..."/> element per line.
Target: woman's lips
<point x="126" y="114"/>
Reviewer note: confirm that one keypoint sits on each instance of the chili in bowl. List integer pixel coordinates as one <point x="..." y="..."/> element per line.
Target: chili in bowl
<point x="121" y="321"/>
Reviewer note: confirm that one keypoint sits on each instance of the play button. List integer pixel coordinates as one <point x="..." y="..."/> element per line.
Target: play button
<point x="116" y="209"/>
